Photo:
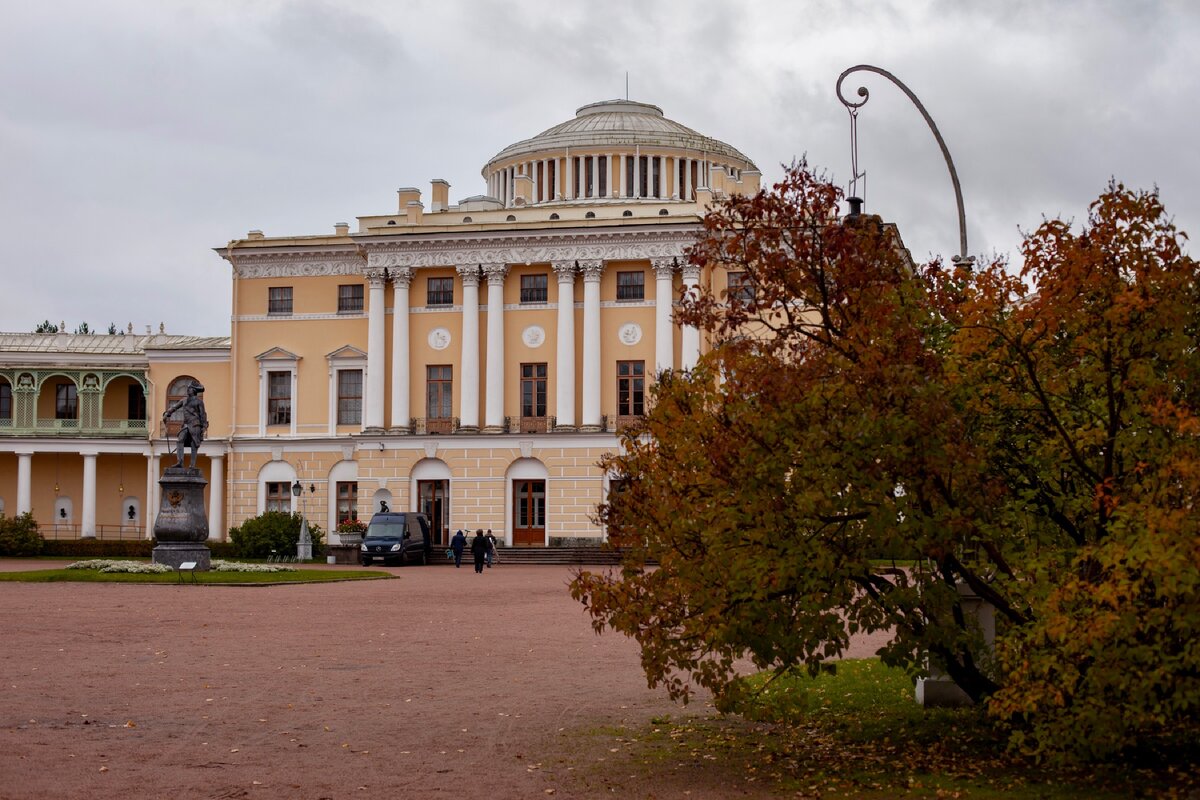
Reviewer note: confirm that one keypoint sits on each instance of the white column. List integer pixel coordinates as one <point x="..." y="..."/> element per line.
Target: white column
<point x="621" y="165"/>
<point x="24" y="483"/>
<point x="687" y="179"/>
<point x="401" y="413"/>
<point x="690" y="337"/>
<point x="595" y="176"/>
<point x="592" y="270"/>
<point x="660" y="189"/>
<point x="376" y="343"/>
<point x="216" y="496"/>
<point x="87" y="519"/>
<point x="494" y="401"/>
<point x="152" y="488"/>
<point x="664" y="339"/>
<point x="608" y="171"/>
<point x="565" y="369"/>
<point x="637" y="174"/>
<point x="468" y="409"/>
<point x="569" y="186"/>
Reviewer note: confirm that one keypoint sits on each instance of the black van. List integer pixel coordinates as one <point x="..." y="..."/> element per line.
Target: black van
<point x="396" y="538"/>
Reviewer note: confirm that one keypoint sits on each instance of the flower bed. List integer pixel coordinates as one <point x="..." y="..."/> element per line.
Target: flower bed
<point x="234" y="566"/>
<point x="110" y="565"/>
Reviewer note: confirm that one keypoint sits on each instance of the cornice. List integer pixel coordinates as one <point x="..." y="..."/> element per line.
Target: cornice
<point x="542" y="248"/>
<point x="460" y="250"/>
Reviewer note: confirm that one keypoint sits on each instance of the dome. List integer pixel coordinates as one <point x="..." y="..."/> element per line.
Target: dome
<point x="622" y="123"/>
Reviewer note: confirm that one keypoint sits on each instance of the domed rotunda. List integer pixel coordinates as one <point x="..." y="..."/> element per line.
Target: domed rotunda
<point x="617" y="151"/>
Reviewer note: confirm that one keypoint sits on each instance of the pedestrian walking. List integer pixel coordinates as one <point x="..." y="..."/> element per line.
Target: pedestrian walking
<point x="492" y="556"/>
<point x="458" y="543"/>
<point x="479" y="549"/>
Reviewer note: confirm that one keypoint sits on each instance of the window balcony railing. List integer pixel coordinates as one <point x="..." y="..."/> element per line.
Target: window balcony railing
<point x="115" y="428"/>
<point x="103" y="532"/>
<point x="434" y="425"/>
<point x="530" y="424"/>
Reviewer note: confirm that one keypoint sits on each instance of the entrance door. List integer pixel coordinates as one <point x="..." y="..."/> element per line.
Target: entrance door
<point x="433" y="500"/>
<point x="529" y="512"/>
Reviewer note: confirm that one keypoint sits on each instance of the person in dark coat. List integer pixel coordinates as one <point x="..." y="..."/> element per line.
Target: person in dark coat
<point x="479" y="546"/>
<point x="458" y="543"/>
<point x="492" y="555"/>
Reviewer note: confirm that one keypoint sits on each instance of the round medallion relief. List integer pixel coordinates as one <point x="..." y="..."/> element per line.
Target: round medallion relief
<point x="533" y="336"/>
<point x="439" y="338"/>
<point x="630" y="333"/>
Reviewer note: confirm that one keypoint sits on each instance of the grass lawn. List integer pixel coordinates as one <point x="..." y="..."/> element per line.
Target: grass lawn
<point x="860" y="734"/>
<point x="93" y="576"/>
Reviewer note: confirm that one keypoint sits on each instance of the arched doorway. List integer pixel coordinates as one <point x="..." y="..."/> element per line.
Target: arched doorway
<point x="526" y="478"/>
<point x="431" y="487"/>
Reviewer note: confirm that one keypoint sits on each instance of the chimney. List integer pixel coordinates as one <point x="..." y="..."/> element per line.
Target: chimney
<point x="440" y="195"/>
<point x="408" y="195"/>
<point x="341" y="228"/>
<point x="414" y="210"/>
<point x="255" y="235"/>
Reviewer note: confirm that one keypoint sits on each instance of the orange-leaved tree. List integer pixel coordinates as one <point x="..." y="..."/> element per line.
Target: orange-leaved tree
<point x="980" y="426"/>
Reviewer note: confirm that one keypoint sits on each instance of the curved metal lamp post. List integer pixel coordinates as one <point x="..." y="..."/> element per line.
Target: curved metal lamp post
<point x="962" y="259"/>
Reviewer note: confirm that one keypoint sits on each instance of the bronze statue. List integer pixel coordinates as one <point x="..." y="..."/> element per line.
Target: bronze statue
<point x="195" y="421"/>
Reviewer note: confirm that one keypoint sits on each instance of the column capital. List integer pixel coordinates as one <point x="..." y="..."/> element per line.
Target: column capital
<point x="469" y="274"/>
<point x="495" y="273"/>
<point x="691" y="272"/>
<point x="375" y="276"/>
<point x="402" y="277"/>
<point x="565" y="271"/>
<point x="663" y="267"/>
<point x="592" y="269"/>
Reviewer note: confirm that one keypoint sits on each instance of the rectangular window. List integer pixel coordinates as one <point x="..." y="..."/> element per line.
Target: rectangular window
<point x="631" y="285"/>
<point x="533" y="288"/>
<point x="349" y="398"/>
<point x="533" y="390"/>
<point x="5" y="401"/>
<point x="279" y="300"/>
<point x="439" y="292"/>
<point x="439" y="392"/>
<point x="350" y="298"/>
<point x="631" y="388"/>
<point x="279" y="398"/>
<point x="347" y="501"/>
<point x="66" y="401"/>
<point x="279" y="497"/>
<point x="741" y="290"/>
<point x="137" y="402"/>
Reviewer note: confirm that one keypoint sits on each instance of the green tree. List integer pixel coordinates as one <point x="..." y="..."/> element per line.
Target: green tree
<point x="19" y="536"/>
<point x="1018" y="443"/>
<point x="46" y="326"/>
<point x="83" y="328"/>
<point x="273" y="532"/>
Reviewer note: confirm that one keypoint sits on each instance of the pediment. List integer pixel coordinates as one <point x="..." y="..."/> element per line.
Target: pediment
<point x="346" y="353"/>
<point x="277" y="354"/>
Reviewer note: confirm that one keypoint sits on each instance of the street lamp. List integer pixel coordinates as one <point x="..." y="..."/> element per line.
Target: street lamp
<point x="304" y="544"/>
<point x="962" y="259"/>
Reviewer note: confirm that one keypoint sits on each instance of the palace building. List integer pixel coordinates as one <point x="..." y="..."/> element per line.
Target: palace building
<point x="473" y="361"/>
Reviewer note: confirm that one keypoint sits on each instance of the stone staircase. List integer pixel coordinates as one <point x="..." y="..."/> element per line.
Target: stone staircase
<point x="583" y="555"/>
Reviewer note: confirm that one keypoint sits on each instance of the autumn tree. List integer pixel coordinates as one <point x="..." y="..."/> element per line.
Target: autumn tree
<point x="1026" y="439"/>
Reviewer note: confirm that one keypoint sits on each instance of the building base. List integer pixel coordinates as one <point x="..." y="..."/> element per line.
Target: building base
<point x="175" y="553"/>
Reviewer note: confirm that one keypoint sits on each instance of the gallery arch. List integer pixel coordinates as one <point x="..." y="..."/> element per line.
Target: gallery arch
<point x="431" y="487"/>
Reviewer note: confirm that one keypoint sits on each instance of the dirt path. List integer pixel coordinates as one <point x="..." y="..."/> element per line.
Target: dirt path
<point x="442" y="683"/>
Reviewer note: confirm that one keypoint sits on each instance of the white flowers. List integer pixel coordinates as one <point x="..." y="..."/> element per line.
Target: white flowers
<point x="110" y="565"/>
<point x="233" y="566"/>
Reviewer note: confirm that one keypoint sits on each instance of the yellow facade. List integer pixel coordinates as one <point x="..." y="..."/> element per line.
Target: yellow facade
<point x="474" y="361"/>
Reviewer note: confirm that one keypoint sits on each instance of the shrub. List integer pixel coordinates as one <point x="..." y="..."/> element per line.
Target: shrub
<point x="19" y="536"/>
<point x="99" y="548"/>
<point x="273" y="532"/>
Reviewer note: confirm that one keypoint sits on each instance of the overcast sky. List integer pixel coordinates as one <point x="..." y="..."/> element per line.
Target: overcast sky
<point x="137" y="135"/>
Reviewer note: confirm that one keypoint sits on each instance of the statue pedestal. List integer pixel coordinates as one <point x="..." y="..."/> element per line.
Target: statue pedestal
<point x="181" y="526"/>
